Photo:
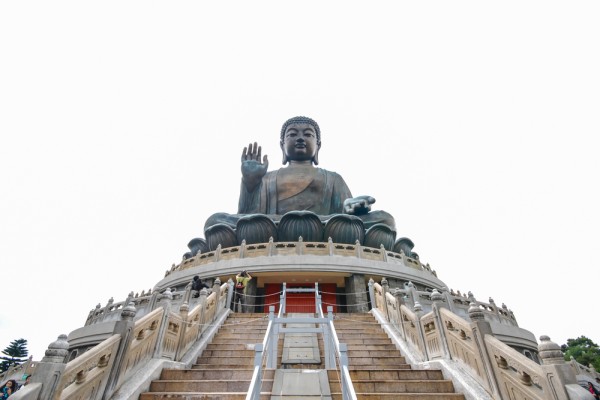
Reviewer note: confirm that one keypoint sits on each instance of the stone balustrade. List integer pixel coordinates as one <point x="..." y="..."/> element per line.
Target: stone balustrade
<point x="441" y="334"/>
<point x="273" y="249"/>
<point x="161" y="334"/>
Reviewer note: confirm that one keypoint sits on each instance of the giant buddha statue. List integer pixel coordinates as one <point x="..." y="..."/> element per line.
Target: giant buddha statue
<point x="297" y="200"/>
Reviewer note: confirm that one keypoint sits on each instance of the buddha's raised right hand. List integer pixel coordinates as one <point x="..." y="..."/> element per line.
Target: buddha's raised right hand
<point x="253" y="169"/>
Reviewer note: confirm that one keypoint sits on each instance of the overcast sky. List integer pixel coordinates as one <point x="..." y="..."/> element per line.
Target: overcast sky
<point x="474" y="123"/>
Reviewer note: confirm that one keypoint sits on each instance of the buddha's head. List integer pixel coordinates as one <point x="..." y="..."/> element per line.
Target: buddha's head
<point x="300" y="140"/>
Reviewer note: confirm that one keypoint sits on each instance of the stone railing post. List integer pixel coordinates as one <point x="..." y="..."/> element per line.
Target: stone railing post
<point x="449" y="300"/>
<point x="229" y="293"/>
<point x="165" y="302"/>
<point x="553" y="364"/>
<point x="399" y="297"/>
<point x="216" y="288"/>
<point x="418" y="310"/>
<point x="187" y="295"/>
<point x="437" y="303"/>
<point x="384" y="289"/>
<point x="202" y="316"/>
<point x="50" y="369"/>
<point x="123" y="328"/>
<point x="153" y="300"/>
<point x="482" y="328"/>
<point x="184" y="310"/>
<point x="372" y="294"/>
<point x="413" y="295"/>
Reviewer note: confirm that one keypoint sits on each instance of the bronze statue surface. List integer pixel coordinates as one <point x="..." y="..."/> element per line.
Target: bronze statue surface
<point x="300" y="193"/>
<point x="301" y="186"/>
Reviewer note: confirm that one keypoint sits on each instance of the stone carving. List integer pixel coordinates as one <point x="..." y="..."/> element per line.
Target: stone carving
<point x="299" y="199"/>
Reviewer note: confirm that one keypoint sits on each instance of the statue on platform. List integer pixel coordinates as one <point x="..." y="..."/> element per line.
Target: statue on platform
<point x="272" y="202"/>
<point x="300" y="185"/>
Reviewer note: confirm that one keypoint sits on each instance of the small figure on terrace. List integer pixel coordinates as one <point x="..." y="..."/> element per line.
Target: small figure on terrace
<point x="298" y="187"/>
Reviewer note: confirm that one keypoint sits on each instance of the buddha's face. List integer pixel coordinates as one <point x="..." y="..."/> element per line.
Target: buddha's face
<point x="300" y="142"/>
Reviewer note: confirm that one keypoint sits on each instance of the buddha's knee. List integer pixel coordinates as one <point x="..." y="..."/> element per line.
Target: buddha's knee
<point x="220" y="218"/>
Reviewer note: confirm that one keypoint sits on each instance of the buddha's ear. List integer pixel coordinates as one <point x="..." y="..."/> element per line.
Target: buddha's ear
<point x="285" y="158"/>
<point x="316" y="157"/>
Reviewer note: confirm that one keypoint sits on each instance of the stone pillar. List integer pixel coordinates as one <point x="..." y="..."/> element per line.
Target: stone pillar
<point x="357" y="299"/>
<point x="251" y="295"/>
<point x="49" y="371"/>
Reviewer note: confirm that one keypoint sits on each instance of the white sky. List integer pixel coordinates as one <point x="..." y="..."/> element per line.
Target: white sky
<point x="474" y="123"/>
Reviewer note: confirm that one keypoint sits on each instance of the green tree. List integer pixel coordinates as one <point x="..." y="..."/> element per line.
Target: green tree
<point x="583" y="350"/>
<point x="16" y="353"/>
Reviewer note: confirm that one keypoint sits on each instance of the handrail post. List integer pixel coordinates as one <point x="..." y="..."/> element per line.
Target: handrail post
<point x="344" y="363"/>
<point x="272" y="341"/>
<point x="258" y="355"/>
<point x="282" y="299"/>
<point x="327" y="345"/>
<point x="317" y="299"/>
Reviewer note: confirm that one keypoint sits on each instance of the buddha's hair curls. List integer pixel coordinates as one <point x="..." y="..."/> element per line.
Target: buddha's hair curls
<point x="301" y="120"/>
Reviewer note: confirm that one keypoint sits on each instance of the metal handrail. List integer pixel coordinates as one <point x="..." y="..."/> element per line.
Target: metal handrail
<point x="341" y="352"/>
<point x="268" y="347"/>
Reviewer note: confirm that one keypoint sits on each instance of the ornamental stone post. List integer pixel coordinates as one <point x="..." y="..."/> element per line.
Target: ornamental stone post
<point x="50" y="369"/>
<point x="384" y="289"/>
<point x="202" y="319"/>
<point x="399" y="297"/>
<point x="216" y="288"/>
<point x="481" y="328"/>
<point x="554" y="365"/>
<point x="123" y="328"/>
<point x="437" y="302"/>
<point x="184" y="310"/>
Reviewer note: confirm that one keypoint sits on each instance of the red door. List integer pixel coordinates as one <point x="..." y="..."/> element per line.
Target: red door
<point x="300" y="302"/>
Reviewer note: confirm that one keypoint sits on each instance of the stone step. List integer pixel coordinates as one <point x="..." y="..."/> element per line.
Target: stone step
<point x="359" y="335"/>
<point x="399" y="396"/>
<point x="207" y="386"/>
<point x="242" y="338"/>
<point x="391" y="374"/>
<point x="378" y="367"/>
<point x="377" y="361"/>
<point x="233" y="360"/>
<point x="371" y="347"/>
<point x="374" y="353"/>
<point x="207" y="366"/>
<point x="391" y="386"/>
<point x="227" y="353"/>
<point x="214" y="373"/>
<point x="350" y="340"/>
<point x="357" y="328"/>
<point x="201" y="396"/>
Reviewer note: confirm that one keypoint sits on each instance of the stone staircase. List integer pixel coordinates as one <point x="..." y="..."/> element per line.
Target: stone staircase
<point x="224" y="370"/>
<point x="377" y="368"/>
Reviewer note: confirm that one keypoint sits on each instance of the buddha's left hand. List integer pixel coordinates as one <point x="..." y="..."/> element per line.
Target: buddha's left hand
<point x="358" y="205"/>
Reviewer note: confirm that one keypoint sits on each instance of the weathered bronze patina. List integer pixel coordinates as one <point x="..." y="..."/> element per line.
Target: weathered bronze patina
<point x="300" y="185"/>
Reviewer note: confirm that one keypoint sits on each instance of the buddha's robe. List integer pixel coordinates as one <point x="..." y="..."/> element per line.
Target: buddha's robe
<point x="318" y="190"/>
<point x="322" y="192"/>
